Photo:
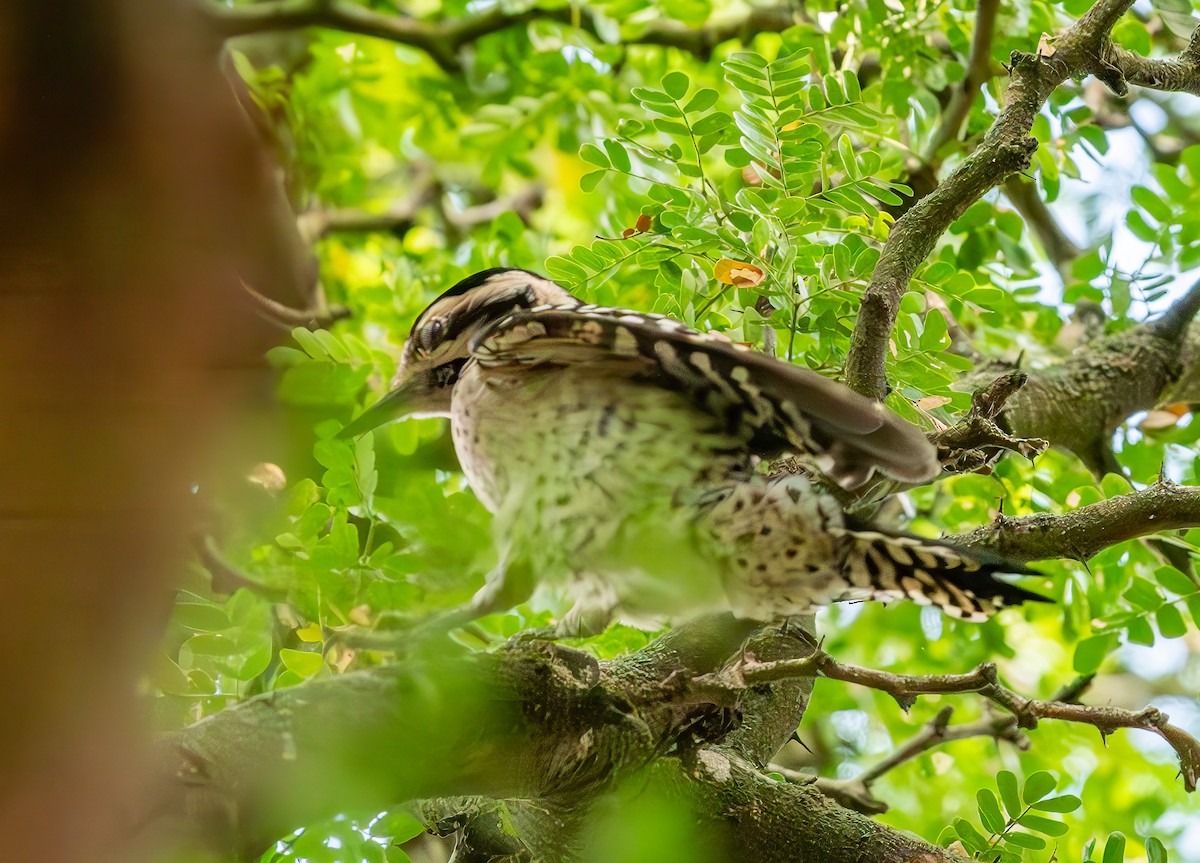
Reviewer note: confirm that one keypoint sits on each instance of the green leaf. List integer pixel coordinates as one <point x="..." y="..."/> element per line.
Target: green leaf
<point x="302" y="663"/>
<point x="1025" y="840"/>
<point x="1193" y="605"/>
<point x="309" y="342"/>
<point x="702" y="100"/>
<point x="971" y="838"/>
<point x="588" y="182"/>
<point x="652" y="97"/>
<point x="1155" y="852"/>
<point x="676" y="84"/>
<point x="1114" y="849"/>
<point x="712" y="123"/>
<point x="1177" y="15"/>
<point x="1143" y="594"/>
<point x="1062" y="803"/>
<point x="1038" y="824"/>
<point x="618" y="155"/>
<point x="1038" y="786"/>
<point x="1140" y="228"/>
<point x="211" y="644"/>
<point x="1175" y="581"/>
<point x="398" y="827"/>
<point x="989" y="811"/>
<point x="594" y="155"/>
<point x="1006" y="784"/>
<point x="1170" y="622"/>
<point x="1090" y="652"/>
<point x="846" y="153"/>
<point x="1139" y="631"/>
<point x="201" y="616"/>
<point x="1151" y="203"/>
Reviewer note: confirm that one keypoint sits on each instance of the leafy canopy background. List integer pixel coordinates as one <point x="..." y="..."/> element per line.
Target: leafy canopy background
<point x="629" y="172"/>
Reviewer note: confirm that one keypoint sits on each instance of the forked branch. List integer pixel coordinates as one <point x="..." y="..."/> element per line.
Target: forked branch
<point x="856" y="793"/>
<point x="1084" y="48"/>
<point x="906" y="688"/>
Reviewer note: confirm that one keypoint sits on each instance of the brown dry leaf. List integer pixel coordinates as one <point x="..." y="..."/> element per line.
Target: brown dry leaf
<point x="1045" y="46"/>
<point x="642" y="226"/>
<point x="1164" y="417"/>
<point x="737" y="273"/>
<point x="930" y="402"/>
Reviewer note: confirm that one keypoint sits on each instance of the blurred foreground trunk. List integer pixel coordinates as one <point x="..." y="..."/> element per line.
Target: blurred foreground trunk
<point x="132" y="194"/>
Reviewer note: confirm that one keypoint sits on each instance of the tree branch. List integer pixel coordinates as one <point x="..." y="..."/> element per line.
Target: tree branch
<point x="1078" y="404"/>
<point x="1084" y="532"/>
<point x="856" y="793"/>
<point x="977" y="440"/>
<point x="1181" y="74"/>
<point x="287" y="317"/>
<point x="979" y="69"/>
<point x="1059" y="248"/>
<point x="1006" y="148"/>
<point x="539" y="722"/>
<point x="401" y="218"/>
<point x="905" y="688"/>
<point x="442" y="40"/>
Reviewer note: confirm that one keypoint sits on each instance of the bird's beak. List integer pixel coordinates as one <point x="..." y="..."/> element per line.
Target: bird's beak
<point x="400" y="402"/>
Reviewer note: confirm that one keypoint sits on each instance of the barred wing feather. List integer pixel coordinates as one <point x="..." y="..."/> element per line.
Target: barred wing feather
<point x="780" y="406"/>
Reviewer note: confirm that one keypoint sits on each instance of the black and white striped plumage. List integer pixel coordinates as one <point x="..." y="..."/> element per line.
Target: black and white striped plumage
<point x="619" y="448"/>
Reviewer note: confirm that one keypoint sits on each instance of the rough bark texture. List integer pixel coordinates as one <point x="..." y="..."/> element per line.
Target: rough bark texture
<point x="533" y="721"/>
<point x="1084" y="532"/>
<point x="1079" y="403"/>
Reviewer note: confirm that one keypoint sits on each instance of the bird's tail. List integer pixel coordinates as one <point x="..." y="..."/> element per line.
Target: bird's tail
<point x="961" y="582"/>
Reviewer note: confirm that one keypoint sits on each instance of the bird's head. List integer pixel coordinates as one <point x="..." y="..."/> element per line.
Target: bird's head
<point x="438" y="346"/>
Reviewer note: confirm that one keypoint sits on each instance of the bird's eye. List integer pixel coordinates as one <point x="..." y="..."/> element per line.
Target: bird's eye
<point x="431" y="335"/>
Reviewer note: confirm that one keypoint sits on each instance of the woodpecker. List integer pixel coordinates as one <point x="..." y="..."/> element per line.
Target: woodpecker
<point x="620" y="452"/>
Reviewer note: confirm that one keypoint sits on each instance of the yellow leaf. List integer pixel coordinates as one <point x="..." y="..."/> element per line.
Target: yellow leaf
<point x="737" y="273"/>
<point x="311" y="634"/>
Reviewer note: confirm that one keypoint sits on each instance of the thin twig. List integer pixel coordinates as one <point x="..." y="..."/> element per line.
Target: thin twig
<point x="905" y="688"/>
<point x="856" y="793"/>
<point x="287" y="317"/>
<point x="401" y="218"/>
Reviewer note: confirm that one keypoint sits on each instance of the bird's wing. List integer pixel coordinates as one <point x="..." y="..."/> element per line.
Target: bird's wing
<point x="781" y="406"/>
